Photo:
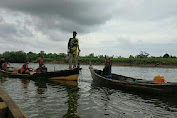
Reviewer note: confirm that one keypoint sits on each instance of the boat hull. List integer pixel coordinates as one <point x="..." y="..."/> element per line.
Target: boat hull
<point x="68" y="78"/>
<point x="71" y="75"/>
<point x="148" y="87"/>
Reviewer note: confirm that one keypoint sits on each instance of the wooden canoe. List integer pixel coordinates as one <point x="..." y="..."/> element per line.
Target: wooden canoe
<point x="8" y="108"/>
<point x="133" y="85"/>
<point x="71" y="75"/>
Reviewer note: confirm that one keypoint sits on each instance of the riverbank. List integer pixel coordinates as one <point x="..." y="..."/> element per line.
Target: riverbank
<point x="139" y="62"/>
<point x="160" y="65"/>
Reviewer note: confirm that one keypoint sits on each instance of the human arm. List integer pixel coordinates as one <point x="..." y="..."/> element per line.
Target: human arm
<point x="78" y="47"/>
<point x="69" y="46"/>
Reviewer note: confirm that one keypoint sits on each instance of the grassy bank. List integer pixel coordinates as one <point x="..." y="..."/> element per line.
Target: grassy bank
<point x="150" y="62"/>
<point x="21" y="57"/>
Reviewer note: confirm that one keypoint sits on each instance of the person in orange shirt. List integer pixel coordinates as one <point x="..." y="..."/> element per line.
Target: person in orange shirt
<point x="25" y="69"/>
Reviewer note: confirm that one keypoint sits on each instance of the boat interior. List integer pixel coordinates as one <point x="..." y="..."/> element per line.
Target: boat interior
<point x="124" y="78"/>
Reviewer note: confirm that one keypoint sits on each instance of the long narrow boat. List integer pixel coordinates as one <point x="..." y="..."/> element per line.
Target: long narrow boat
<point x="71" y="75"/>
<point x="8" y="108"/>
<point x="133" y="85"/>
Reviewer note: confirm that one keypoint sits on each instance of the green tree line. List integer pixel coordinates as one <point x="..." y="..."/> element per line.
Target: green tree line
<point x="141" y="58"/>
<point x="21" y="57"/>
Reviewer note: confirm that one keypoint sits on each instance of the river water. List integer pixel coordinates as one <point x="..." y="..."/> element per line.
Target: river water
<point x="47" y="99"/>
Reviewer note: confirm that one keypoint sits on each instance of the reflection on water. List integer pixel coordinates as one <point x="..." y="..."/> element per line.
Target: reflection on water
<point x="72" y="92"/>
<point x="25" y="83"/>
<point x="41" y="87"/>
<point x="72" y="101"/>
<point x="70" y="86"/>
<point x="57" y="99"/>
<point x="123" y="104"/>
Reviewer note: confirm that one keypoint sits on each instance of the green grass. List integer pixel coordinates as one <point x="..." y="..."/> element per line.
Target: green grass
<point x="131" y="60"/>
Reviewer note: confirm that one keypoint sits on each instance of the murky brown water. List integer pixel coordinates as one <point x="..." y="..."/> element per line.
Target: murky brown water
<point x="45" y="99"/>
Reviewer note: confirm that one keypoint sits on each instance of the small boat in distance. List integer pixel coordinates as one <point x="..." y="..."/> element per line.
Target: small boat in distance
<point x="70" y="75"/>
<point x="130" y="84"/>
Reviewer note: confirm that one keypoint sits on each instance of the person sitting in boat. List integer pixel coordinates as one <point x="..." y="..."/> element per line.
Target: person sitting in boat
<point x="25" y="69"/>
<point x="41" y="67"/>
<point x="107" y="68"/>
<point x="4" y="66"/>
<point x="1" y="62"/>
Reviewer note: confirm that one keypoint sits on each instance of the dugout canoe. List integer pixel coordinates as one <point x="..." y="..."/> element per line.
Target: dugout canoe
<point x="71" y="75"/>
<point x="8" y="108"/>
<point x="133" y="84"/>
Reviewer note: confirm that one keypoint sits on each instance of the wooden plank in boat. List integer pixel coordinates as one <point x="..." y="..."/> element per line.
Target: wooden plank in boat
<point x="13" y="110"/>
<point x="3" y="110"/>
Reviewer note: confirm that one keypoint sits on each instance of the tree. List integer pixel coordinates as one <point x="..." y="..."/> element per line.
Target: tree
<point x="42" y="54"/>
<point x="91" y="55"/>
<point x="100" y="56"/>
<point x="131" y="56"/>
<point x="143" y="54"/>
<point x="31" y="56"/>
<point x="18" y="56"/>
<point x="166" y="55"/>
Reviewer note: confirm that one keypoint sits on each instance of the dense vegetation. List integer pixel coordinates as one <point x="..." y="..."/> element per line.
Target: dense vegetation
<point x="142" y="58"/>
<point x="20" y="56"/>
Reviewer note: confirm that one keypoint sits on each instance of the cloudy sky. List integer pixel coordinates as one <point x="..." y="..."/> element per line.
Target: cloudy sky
<point x="105" y="27"/>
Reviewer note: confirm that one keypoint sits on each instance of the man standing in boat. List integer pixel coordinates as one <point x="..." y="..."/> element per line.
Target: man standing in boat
<point x="73" y="50"/>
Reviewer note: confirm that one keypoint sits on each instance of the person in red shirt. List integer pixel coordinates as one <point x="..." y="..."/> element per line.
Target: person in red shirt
<point x="4" y="66"/>
<point x="41" y="62"/>
<point x="41" y="67"/>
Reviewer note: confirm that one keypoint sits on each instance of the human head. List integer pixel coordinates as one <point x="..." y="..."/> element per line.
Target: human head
<point x="74" y="34"/>
<point x="27" y="62"/>
<point x="39" y="57"/>
<point x="107" y="59"/>
<point x="3" y="58"/>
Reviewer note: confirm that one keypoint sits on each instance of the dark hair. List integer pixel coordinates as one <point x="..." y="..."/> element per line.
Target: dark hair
<point x="27" y="61"/>
<point x="39" y="56"/>
<point x="75" y="32"/>
<point x="2" y="57"/>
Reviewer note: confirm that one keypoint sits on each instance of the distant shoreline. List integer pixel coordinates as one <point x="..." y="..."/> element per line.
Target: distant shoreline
<point x="122" y="64"/>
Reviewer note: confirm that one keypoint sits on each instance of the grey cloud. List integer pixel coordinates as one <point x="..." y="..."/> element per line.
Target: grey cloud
<point x="83" y="13"/>
<point x="124" y="47"/>
<point x="121" y="42"/>
<point x="56" y="19"/>
<point x="160" y="9"/>
<point x="146" y="10"/>
<point x="1" y="19"/>
<point x="52" y="18"/>
<point x="7" y="30"/>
